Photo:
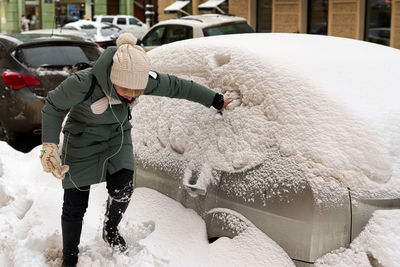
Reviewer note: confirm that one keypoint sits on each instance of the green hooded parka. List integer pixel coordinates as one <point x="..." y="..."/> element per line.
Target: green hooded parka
<point x="94" y="143"/>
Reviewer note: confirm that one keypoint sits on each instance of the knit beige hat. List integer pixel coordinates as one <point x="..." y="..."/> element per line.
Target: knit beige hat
<point x="131" y="65"/>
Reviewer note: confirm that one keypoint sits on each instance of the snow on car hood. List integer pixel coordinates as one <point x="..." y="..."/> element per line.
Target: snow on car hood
<point x="329" y="104"/>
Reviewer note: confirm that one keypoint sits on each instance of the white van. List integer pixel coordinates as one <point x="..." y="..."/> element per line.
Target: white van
<point x="125" y="22"/>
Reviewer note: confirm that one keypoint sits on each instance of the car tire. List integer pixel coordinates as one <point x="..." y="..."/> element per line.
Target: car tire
<point x="221" y="222"/>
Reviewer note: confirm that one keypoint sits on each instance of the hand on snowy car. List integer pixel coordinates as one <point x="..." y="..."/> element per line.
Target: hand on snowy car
<point x="51" y="161"/>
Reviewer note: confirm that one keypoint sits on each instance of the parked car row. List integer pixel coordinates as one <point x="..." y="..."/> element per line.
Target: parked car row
<point x="105" y="29"/>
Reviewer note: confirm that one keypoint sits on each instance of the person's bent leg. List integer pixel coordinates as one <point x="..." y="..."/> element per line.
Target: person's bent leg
<point x="74" y="208"/>
<point x="120" y="189"/>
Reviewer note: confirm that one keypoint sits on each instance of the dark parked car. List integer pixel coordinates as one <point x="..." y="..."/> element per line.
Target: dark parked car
<point x="31" y="66"/>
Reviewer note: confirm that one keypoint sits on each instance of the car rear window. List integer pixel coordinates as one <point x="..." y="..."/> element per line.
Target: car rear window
<point x="231" y="28"/>
<point x="57" y="55"/>
<point x="166" y="34"/>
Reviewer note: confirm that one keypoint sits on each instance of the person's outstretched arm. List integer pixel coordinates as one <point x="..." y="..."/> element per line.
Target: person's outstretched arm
<point x="161" y="84"/>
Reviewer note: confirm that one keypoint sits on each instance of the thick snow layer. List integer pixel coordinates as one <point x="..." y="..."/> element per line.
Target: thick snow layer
<point x="159" y="231"/>
<point x="329" y="104"/>
<point x="377" y="244"/>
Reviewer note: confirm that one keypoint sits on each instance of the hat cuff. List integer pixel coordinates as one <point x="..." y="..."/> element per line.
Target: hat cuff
<point x="134" y="80"/>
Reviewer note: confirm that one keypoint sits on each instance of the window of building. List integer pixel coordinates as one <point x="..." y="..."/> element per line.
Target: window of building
<point x="377" y="28"/>
<point x="264" y="15"/>
<point x="33" y="14"/>
<point x="318" y="17"/>
<point x="66" y="12"/>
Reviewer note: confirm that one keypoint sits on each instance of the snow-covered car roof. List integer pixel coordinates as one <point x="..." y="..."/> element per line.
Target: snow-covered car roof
<point x="98" y="31"/>
<point x="328" y="104"/>
<point x="80" y="23"/>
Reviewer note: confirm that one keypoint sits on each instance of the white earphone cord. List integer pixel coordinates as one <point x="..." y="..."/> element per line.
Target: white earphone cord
<point x="104" y="162"/>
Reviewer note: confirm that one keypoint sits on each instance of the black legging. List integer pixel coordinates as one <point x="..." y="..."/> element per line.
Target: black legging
<point x="119" y="186"/>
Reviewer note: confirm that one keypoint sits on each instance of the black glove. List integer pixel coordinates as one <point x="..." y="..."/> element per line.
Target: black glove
<point x="218" y="102"/>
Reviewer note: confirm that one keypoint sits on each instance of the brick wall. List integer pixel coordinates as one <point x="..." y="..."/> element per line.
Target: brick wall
<point x="13" y="16"/>
<point x="344" y="18"/>
<point x="48" y="15"/>
<point x="239" y="8"/>
<point x="100" y="7"/>
<point x="286" y="15"/>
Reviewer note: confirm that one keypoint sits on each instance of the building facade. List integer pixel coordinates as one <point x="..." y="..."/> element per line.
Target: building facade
<point x="45" y="14"/>
<point x="370" y="20"/>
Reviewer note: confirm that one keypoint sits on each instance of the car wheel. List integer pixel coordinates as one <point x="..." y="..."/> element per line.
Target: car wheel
<point x="223" y="222"/>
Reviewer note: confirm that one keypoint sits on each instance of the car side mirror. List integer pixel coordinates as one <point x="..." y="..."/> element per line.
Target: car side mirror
<point x="139" y="42"/>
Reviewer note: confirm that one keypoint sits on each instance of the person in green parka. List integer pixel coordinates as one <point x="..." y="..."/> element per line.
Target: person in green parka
<point x="97" y="144"/>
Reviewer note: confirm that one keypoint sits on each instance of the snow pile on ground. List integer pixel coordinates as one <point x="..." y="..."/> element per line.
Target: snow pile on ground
<point x="335" y="113"/>
<point x="377" y="244"/>
<point x="159" y="231"/>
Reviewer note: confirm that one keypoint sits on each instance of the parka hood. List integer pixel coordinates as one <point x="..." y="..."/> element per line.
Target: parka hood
<point x="102" y="69"/>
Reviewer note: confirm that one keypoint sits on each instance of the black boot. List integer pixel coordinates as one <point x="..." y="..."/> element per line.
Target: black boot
<point x="71" y="233"/>
<point x="114" y="212"/>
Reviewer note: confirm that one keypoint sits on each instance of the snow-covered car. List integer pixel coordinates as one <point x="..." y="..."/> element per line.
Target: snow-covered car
<point x="31" y="65"/>
<point x="125" y="22"/>
<point x="104" y="34"/>
<point x="172" y="30"/>
<point x="307" y="151"/>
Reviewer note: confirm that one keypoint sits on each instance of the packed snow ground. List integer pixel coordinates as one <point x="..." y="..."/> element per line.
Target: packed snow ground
<point x="159" y="230"/>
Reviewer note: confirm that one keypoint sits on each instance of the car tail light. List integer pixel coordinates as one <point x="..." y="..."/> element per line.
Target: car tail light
<point x="17" y="81"/>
